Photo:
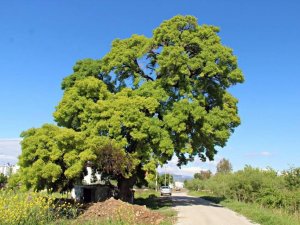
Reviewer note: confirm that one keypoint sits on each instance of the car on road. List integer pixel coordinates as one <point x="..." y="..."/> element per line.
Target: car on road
<point x="165" y="190"/>
<point x="178" y="185"/>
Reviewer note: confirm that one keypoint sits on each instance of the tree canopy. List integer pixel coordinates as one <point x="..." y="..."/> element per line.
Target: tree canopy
<point x="3" y="180"/>
<point x="147" y="99"/>
<point x="224" y="166"/>
<point x="292" y="178"/>
<point x="203" y="175"/>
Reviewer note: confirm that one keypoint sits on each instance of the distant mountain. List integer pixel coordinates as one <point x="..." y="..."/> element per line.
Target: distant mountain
<point x="181" y="178"/>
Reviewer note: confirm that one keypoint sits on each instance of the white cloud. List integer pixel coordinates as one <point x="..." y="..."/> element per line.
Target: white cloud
<point x="265" y="153"/>
<point x="189" y="170"/>
<point x="10" y="149"/>
<point x="258" y="154"/>
<point x="8" y="157"/>
<point x="185" y="170"/>
<point x="192" y="170"/>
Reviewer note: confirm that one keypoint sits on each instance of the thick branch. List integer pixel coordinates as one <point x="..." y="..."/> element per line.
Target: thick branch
<point x="141" y="72"/>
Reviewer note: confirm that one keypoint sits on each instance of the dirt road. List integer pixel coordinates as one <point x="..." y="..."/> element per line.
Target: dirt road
<point x="197" y="211"/>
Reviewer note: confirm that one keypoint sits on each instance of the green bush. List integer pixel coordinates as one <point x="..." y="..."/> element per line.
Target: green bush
<point x="17" y="208"/>
<point x="195" y="184"/>
<point x="253" y="185"/>
<point x="292" y="178"/>
<point x="3" y="180"/>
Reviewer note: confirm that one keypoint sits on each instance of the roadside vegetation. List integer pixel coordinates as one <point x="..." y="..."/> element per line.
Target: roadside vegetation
<point x="19" y="207"/>
<point x="264" y="196"/>
<point x="151" y="199"/>
<point x="3" y="180"/>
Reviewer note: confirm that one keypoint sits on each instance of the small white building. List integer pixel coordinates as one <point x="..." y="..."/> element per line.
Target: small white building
<point x="91" y="192"/>
<point x="92" y="188"/>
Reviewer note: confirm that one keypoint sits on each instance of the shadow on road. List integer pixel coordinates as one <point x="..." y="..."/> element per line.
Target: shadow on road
<point x="187" y="201"/>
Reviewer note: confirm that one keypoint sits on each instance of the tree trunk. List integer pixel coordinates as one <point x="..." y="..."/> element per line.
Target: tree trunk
<point x="125" y="186"/>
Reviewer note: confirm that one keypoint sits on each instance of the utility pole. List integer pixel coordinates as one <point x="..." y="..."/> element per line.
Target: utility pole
<point x="155" y="180"/>
<point x="165" y="177"/>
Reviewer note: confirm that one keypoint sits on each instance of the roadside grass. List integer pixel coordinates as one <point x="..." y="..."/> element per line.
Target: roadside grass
<point x="152" y="200"/>
<point x="32" y="208"/>
<point x="254" y="212"/>
<point x="91" y="222"/>
<point x="149" y="198"/>
<point x="36" y="208"/>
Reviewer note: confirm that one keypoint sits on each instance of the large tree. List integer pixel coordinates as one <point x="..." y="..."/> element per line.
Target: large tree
<point x="203" y="175"/>
<point x="144" y="101"/>
<point x="224" y="166"/>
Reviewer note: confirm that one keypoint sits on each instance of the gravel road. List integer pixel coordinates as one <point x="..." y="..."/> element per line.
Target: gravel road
<point x="197" y="211"/>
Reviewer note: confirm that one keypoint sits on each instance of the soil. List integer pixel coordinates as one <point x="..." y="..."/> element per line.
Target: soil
<point x="119" y="210"/>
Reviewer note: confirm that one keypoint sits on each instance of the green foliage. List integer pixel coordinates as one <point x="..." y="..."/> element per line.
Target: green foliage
<point x="195" y="184"/>
<point x="52" y="158"/>
<point x="260" y="215"/>
<point x="165" y="179"/>
<point x="148" y="98"/>
<point x="252" y="185"/>
<point x="253" y="211"/>
<point x="224" y="166"/>
<point x="292" y="178"/>
<point x="151" y="200"/>
<point x="250" y="182"/>
<point x="111" y="159"/>
<point x="3" y="180"/>
<point x="17" y="207"/>
<point x="203" y="175"/>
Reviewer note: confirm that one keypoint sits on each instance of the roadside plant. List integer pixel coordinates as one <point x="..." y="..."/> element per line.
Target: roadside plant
<point x="18" y="208"/>
<point x="24" y="208"/>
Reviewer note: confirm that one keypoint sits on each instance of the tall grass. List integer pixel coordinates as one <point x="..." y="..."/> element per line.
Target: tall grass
<point x="262" y="215"/>
<point x="18" y="208"/>
<point x="24" y="208"/>
<point x="150" y="198"/>
<point x="252" y="185"/>
<point x="253" y="211"/>
<point x="36" y="208"/>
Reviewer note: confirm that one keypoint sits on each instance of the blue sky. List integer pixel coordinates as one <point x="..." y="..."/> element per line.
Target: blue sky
<point x="40" y="42"/>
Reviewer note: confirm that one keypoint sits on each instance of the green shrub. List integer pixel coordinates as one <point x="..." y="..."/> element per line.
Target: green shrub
<point x="252" y="185"/>
<point x="17" y="207"/>
<point x="3" y="180"/>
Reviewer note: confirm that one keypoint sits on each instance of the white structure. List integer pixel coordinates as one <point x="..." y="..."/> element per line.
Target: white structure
<point x="92" y="188"/>
<point x="179" y="185"/>
<point x="8" y="170"/>
<point x="91" y="193"/>
<point x="90" y="178"/>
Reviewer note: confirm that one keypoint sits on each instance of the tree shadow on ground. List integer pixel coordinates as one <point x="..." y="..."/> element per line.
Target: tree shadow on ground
<point x="154" y="202"/>
<point x="213" y="199"/>
<point x="188" y="201"/>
